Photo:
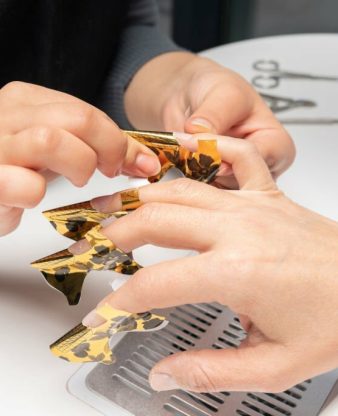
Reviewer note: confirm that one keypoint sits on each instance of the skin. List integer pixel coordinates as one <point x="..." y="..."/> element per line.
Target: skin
<point x="41" y="129"/>
<point x="273" y="262"/>
<point x="193" y="94"/>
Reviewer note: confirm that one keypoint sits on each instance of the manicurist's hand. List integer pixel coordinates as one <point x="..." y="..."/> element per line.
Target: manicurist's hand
<point x="180" y="91"/>
<point x="271" y="261"/>
<point x="45" y="130"/>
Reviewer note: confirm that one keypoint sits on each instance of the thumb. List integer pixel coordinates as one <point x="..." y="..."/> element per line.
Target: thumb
<point x="251" y="368"/>
<point x="216" y="114"/>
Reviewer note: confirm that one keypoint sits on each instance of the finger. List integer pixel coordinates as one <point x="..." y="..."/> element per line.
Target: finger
<point x="50" y="148"/>
<point x="114" y="151"/>
<point x="27" y="93"/>
<point x="248" y="166"/>
<point x="9" y="219"/>
<point x="276" y="148"/>
<point x="222" y="108"/>
<point x="179" y="191"/>
<point x="259" y="368"/>
<point x="139" y="160"/>
<point x="20" y="187"/>
<point x="165" y="225"/>
<point x="171" y="283"/>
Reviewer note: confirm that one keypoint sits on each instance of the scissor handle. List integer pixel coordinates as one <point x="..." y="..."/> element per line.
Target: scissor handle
<point x="265" y="82"/>
<point x="265" y="65"/>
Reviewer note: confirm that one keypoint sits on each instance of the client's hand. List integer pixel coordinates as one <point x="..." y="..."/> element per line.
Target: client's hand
<point x="270" y="260"/>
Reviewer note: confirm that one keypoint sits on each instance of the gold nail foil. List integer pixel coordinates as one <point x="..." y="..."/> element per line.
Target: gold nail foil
<point x="74" y="221"/>
<point x="66" y="271"/>
<point x="83" y="344"/>
<point x="201" y="165"/>
<point x="130" y="199"/>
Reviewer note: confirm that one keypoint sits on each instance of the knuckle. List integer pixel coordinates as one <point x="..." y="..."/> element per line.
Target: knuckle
<point x="84" y="116"/>
<point x="148" y="213"/>
<point x="199" y="377"/>
<point x="46" y="139"/>
<point x="14" y="87"/>
<point x="182" y="186"/>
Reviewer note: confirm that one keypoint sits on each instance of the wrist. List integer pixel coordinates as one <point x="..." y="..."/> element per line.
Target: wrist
<point x="152" y="86"/>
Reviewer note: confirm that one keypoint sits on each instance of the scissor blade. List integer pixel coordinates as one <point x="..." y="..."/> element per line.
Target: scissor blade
<point x="300" y="75"/>
<point x="319" y="121"/>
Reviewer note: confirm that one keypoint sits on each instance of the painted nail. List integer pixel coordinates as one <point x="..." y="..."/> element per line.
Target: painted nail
<point x="102" y="203"/>
<point x="162" y="382"/>
<point x="92" y="320"/>
<point x="202" y="124"/>
<point x="147" y="164"/>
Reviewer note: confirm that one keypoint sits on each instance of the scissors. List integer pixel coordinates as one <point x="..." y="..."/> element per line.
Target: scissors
<point x="272" y="74"/>
<point x="319" y="121"/>
<point x="278" y="104"/>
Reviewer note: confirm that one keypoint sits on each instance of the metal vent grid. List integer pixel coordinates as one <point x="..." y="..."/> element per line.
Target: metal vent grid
<point x="194" y="326"/>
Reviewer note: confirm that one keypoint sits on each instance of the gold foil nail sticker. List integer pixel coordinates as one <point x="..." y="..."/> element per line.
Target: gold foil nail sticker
<point x="130" y="199"/>
<point x="66" y="271"/>
<point x="83" y="344"/>
<point x="75" y="220"/>
<point x="201" y="165"/>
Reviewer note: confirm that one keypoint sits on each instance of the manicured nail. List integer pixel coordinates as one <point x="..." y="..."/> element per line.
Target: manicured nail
<point x="79" y="247"/>
<point x="182" y="136"/>
<point x="147" y="164"/>
<point x="162" y="382"/>
<point x="102" y="203"/>
<point x="204" y="125"/>
<point x="225" y="170"/>
<point x="92" y="320"/>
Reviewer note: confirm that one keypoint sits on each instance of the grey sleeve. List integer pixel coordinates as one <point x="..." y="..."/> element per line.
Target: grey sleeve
<point x="140" y="41"/>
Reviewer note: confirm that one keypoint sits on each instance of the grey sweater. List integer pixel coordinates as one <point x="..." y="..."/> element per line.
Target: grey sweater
<point x="87" y="48"/>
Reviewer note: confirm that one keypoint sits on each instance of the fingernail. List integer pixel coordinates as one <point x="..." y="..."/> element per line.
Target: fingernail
<point x="147" y="164"/>
<point x="162" y="382"/>
<point x="182" y="136"/>
<point x="79" y="247"/>
<point x="92" y="320"/>
<point x="203" y="124"/>
<point x="102" y="203"/>
<point x="225" y="170"/>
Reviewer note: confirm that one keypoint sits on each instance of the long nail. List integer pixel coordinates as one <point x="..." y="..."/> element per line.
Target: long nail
<point x="202" y="124"/>
<point x="186" y="140"/>
<point x="184" y="137"/>
<point x="149" y="165"/>
<point x="92" y="319"/>
<point x="102" y="203"/>
<point x="162" y="382"/>
<point x="79" y="247"/>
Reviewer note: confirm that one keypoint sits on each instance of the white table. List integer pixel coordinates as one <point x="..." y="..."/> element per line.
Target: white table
<point x="32" y="314"/>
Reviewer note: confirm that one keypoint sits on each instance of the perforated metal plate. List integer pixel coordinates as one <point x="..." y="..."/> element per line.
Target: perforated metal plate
<point x="194" y="326"/>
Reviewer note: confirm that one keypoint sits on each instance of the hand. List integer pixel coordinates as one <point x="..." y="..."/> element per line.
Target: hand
<point x="182" y="92"/>
<point x="271" y="261"/>
<point x="43" y="129"/>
